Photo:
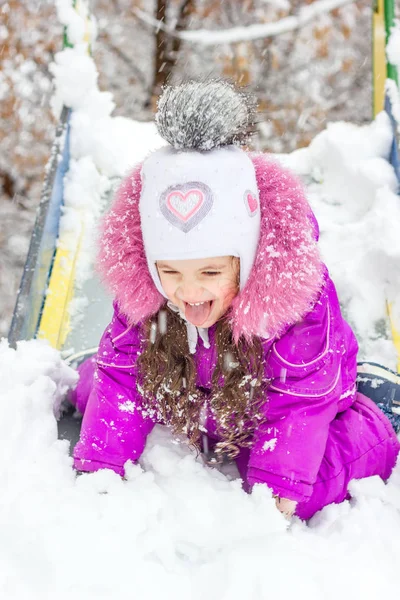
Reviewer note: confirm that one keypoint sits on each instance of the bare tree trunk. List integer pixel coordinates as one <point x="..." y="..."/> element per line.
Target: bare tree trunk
<point x="186" y="10"/>
<point x="167" y="49"/>
<point x="160" y="52"/>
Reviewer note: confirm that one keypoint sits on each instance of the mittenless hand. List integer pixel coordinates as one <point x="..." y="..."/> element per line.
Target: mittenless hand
<point x="286" y="506"/>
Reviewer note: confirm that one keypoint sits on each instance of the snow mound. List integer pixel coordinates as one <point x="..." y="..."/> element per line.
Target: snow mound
<point x="174" y="528"/>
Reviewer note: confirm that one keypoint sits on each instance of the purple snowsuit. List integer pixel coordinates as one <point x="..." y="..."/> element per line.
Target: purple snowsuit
<point x="320" y="432"/>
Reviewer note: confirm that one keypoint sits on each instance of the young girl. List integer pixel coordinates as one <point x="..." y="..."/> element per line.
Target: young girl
<point x="226" y="324"/>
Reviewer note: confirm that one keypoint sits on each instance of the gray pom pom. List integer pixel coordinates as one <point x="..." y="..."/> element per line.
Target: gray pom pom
<point x="204" y="115"/>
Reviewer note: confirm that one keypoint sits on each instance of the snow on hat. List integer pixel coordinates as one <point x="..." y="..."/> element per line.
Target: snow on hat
<point x="199" y="198"/>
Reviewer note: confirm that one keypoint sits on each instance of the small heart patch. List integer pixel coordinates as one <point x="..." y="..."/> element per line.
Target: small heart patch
<point x="184" y="206"/>
<point x="251" y="202"/>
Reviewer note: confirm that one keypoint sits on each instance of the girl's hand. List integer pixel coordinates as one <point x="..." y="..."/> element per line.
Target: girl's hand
<point x="286" y="506"/>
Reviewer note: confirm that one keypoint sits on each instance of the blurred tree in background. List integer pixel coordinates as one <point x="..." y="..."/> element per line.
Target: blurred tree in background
<point x="29" y="37"/>
<point x="303" y="78"/>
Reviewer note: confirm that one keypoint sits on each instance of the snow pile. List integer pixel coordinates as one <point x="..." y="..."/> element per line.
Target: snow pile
<point x="113" y="143"/>
<point x="393" y="46"/>
<point x="393" y="56"/>
<point x="353" y="191"/>
<point x="175" y="530"/>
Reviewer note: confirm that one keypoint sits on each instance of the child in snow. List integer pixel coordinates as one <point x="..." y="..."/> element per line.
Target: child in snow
<point x="226" y="324"/>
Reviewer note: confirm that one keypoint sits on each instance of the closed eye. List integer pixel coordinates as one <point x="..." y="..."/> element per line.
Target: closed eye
<point x="169" y="272"/>
<point x="212" y="273"/>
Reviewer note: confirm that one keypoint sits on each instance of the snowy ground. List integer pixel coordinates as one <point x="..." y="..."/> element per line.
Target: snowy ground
<point x="175" y="528"/>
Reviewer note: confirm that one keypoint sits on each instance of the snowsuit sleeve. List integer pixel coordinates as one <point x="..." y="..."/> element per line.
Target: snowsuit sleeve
<point x="114" y="426"/>
<point x="312" y="370"/>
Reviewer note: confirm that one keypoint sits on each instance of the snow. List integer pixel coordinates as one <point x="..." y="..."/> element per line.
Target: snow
<point x="393" y="56"/>
<point x="393" y="45"/>
<point x="394" y="97"/>
<point x="77" y="20"/>
<point x="270" y="444"/>
<point x="175" y="528"/>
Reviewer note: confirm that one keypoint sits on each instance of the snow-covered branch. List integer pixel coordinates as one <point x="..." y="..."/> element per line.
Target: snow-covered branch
<point x="251" y="32"/>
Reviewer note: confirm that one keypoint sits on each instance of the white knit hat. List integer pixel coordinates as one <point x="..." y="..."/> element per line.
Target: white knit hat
<point x="199" y="203"/>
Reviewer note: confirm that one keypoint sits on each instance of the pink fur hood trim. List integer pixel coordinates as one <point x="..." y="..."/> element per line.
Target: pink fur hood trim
<point x="284" y="281"/>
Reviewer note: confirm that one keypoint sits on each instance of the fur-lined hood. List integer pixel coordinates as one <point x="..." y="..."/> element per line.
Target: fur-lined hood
<point x="287" y="272"/>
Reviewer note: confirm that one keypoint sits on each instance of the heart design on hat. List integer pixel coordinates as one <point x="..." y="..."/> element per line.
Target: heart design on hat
<point x="186" y="205"/>
<point x="251" y="202"/>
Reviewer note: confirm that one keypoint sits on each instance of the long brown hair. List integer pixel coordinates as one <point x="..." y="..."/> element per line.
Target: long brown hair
<point x="167" y="379"/>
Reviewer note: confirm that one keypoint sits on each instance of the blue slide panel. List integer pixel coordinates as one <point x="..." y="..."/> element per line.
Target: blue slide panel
<point x="394" y="158"/>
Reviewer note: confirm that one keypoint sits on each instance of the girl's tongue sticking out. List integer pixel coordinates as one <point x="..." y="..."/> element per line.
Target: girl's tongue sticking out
<point x="198" y="313"/>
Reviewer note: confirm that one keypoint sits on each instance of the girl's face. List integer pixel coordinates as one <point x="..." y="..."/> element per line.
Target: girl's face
<point x="202" y="288"/>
